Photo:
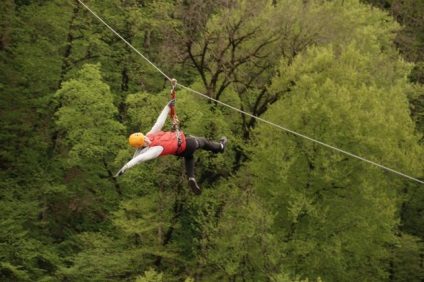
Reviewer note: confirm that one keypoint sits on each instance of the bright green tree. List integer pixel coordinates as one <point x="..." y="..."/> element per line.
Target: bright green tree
<point x="86" y="117"/>
<point x="30" y="55"/>
<point x="338" y="214"/>
<point x="87" y="143"/>
<point x="301" y="211"/>
<point x="236" y="240"/>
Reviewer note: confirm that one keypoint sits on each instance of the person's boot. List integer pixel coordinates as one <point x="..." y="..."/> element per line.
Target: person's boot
<point x="193" y="186"/>
<point x="223" y="142"/>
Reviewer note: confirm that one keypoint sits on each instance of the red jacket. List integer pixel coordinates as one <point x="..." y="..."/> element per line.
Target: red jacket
<point x="169" y="141"/>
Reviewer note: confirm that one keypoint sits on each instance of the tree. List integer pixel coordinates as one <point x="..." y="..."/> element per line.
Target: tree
<point x="86" y="116"/>
<point x="328" y="204"/>
<point x="236" y="240"/>
<point x="350" y="210"/>
<point x="410" y="43"/>
<point x="86" y="145"/>
<point x="30" y="63"/>
<point x="72" y="91"/>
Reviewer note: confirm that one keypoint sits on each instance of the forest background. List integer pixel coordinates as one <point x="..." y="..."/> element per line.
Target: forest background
<point x="275" y="206"/>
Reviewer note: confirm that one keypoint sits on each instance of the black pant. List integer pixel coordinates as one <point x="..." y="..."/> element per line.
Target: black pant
<point x="192" y="144"/>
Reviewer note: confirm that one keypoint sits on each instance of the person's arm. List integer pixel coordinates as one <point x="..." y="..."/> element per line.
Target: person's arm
<point x="138" y="151"/>
<point x="148" y="154"/>
<point x="161" y="119"/>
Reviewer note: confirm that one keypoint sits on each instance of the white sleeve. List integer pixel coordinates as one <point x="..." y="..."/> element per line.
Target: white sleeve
<point x="149" y="154"/>
<point x="138" y="151"/>
<point x="160" y="121"/>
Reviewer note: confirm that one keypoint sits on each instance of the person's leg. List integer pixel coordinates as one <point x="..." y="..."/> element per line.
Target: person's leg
<point x="214" y="147"/>
<point x="191" y="146"/>
<point x="188" y="154"/>
<point x="189" y="165"/>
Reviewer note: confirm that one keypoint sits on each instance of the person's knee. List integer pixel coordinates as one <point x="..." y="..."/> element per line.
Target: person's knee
<point x="200" y="142"/>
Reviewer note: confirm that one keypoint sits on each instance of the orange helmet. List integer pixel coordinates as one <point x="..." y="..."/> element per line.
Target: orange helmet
<point x="136" y="140"/>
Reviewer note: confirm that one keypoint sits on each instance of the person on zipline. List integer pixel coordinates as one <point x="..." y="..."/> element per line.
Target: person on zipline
<point x="157" y="143"/>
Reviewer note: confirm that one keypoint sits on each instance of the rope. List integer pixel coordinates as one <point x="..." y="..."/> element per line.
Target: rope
<point x="305" y="137"/>
<point x="173" y="85"/>
<point x="251" y="115"/>
<point x="123" y="39"/>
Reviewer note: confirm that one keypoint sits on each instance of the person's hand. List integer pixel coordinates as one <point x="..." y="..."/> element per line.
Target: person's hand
<point x="119" y="173"/>
<point x="171" y="103"/>
<point x="175" y="121"/>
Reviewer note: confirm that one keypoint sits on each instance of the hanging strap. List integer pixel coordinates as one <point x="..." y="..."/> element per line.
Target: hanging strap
<point x="174" y="118"/>
<point x="173" y="86"/>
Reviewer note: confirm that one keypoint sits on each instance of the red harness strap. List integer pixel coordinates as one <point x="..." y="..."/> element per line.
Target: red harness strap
<point x="173" y="85"/>
<point x="175" y="122"/>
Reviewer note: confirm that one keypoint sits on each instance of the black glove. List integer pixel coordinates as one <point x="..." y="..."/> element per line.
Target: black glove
<point x="171" y="103"/>
<point x="120" y="172"/>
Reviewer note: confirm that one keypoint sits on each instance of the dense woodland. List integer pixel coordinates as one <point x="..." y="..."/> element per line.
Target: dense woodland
<point x="275" y="206"/>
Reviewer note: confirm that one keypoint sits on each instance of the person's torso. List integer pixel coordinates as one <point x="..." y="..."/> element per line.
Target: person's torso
<point x="169" y="141"/>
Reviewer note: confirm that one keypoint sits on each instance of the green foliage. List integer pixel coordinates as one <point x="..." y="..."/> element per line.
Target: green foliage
<point x="406" y="258"/>
<point x="87" y="144"/>
<point x="236" y="237"/>
<point x="316" y="191"/>
<point x="150" y="276"/>
<point x="274" y="207"/>
<point x="24" y="255"/>
<point x="101" y="259"/>
<point x="286" y="278"/>
<point x="86" y="117"/>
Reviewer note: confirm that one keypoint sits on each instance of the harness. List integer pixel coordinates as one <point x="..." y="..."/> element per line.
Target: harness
<point x="174" y="118"/>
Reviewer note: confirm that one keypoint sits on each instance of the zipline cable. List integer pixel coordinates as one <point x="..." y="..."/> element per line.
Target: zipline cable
<point x="123" y="39"/>
<point x="305" y="137"/>
<point x="251" y="115"/>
